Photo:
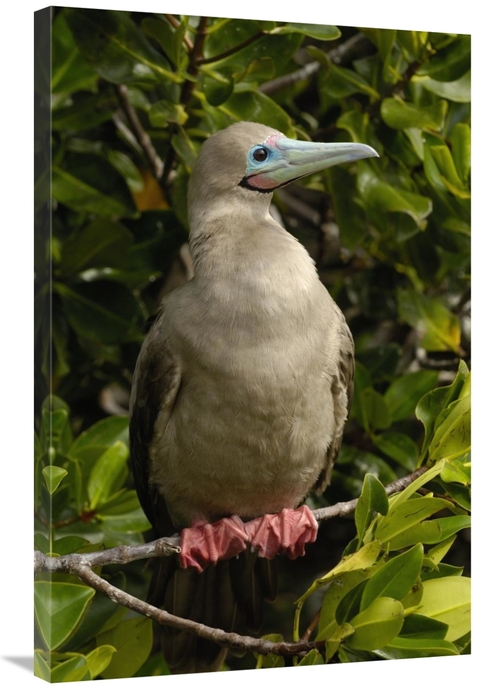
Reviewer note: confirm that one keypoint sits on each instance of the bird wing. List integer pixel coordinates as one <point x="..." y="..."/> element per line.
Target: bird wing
<point x="342" y="392"/>
<point x="156" y="383"/>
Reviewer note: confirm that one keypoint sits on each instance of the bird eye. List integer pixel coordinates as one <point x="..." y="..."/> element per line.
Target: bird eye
<point x="260" y="154"/>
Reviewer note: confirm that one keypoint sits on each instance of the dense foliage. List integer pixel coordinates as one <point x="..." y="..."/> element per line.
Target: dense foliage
<point x="134" y="95"/>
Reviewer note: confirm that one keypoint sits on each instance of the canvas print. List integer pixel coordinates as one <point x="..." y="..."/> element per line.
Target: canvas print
<point x="252" y="344"/>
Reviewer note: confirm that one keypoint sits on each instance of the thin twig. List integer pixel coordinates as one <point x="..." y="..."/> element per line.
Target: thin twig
<point x="337" y="55"/>
<point x="176" y="23"/>
<point x="140" y="134"/>
<point x="81" y="565"/>
<point x="342" y="509"/>
<point x="231" y="51"/>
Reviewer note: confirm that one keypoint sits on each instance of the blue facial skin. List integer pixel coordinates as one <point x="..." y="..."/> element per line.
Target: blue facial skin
<point x="255" y="166"/>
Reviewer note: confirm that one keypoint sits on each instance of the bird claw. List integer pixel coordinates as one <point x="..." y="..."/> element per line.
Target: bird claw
<point x="205" y="544"/>
<point x="285" y="533"/>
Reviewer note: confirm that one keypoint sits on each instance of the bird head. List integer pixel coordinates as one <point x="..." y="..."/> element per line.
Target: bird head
<point x="259" y="158"/>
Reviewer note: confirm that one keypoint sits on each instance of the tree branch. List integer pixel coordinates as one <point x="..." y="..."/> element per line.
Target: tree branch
<point x="338" y="55"/>
<point x="142" y="136"/>
<point x="81" y="565"/>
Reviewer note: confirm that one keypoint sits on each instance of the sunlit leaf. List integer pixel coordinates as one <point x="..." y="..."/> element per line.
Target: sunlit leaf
<point x="59" y="609"/>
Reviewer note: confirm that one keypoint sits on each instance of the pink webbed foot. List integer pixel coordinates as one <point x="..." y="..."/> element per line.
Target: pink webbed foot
<point x="204" y="544"/>
<point x="287" y="532"/>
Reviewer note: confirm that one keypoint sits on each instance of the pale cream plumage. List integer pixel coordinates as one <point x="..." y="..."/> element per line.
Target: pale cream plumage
<point x="242" y="387"/>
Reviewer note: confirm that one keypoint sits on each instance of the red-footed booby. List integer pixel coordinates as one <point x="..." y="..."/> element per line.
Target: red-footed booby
<point x="241" y="389"/>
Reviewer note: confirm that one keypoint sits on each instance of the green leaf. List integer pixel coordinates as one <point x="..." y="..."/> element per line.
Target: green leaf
<point x="421" y="627"/>
<point x="41" y="667"/>
<point x="437" y="326"/>
<point x="99" y="659"/>
<point x="69" y="544"/>
<point x="340" y="586"/>
<point x="458" y="91"/>
<point x="70" y="72"/>
<point x="164" y="112"/>
<point x="333" y="642"/>
<point x="396" y="578"/>
<point x="75" y="669"/>
<point x="90" y="184"/>
<point x="405" y="515"/>
<point x="321" y="32"/>
<point x="217" y="85"/>
<point x="373" y="498"/>
<point x="402" y="647"/>
<point x="106" y="474"/>
<point x="446" y="166"/>
<point x="452" y="437"/>
<point x="253" y="106"/>
<point x="387" y="198"/>
<point x="116" y="49"/>
<point x="339" y="82"/>
<point x="399" y="114"/>
<point x="101" y="243"/>
<point x="53" y="476"/>
<point x="134" y="521"/>
<point x="449" y="63"/>
<point x="102" y="311"/>
<point x="436" y="554"/>
<point x="59" y="609"/>
<point x="377" y="625"/>
<point x="460" y="138"/>
<point x="399" y="447"/>
<point x="432" y="531"/>
<point x="133" y="640"/>
<point x="314" y="657"/>
<point x="457" y="471"/>
<point x="373" y="410"/>
<point x="448" y="600"/>
<point x="102" y="434"/>
<point x="170" y="39"/>
<point x="404" y="393"/>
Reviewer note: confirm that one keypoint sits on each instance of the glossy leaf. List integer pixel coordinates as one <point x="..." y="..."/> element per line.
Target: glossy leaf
<point x="399" y="114"/>
<point x="101" y="243"/>
<point x="106" y="474"/>
<point x="448" y="600"/>
<point x="458" y="91"/>
<point x="450" y="63"/>
<point x="461" y="149"/>
<point x="113" y="45"/>
<point x="99" y="659"/>
<point x="59" y="608"/>
<point x="399" y="447"/>
<point x="92" y="185"/>
<point x="256" y="107"/>
<point x="386" y="198"/>
<point x="75" y="669"/>
<point x="102" y="434"/>
<point x="396" y="578"/>
<point x="53" y="476"/>
<point x="319" y="31"/>
<point x="404" y="393"/>
<point x="314" y="657"/>
<point x="373" y="498"/>
<point x="407" y="514"/>
<point x="70" y="72"/>
<point x="132" y="640"/>
<point x="438" y="327"/>
<point x="432" y="531"/>
<point x="452" y="438"/>
<point x="102" y="311"/>
<point x="402" y="647"/>
<point x="164" y="112"/>
<point x="377" y="625"/>
<point x="340" y="586"/>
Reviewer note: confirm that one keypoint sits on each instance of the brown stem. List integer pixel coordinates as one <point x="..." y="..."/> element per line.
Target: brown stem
<point x="231" y="51"/>
<point x="142" y="136"/>
<point x="176" y="23"/>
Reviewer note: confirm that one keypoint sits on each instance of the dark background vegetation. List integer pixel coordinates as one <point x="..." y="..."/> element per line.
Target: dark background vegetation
<point x="134" y="95"/>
